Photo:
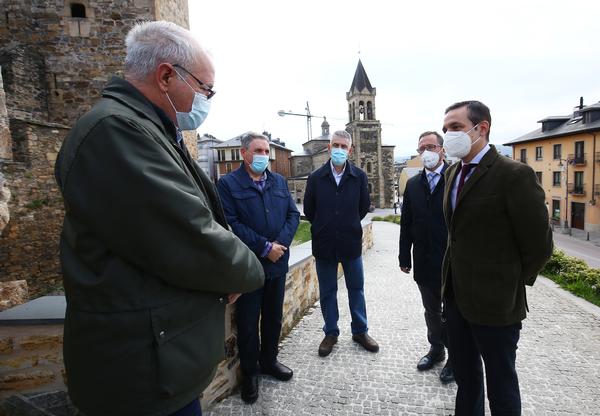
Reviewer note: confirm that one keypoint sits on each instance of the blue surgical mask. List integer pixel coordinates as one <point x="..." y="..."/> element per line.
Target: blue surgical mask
<point x="259" y="163"/>
<point x="339" y="156"/>
<point x="196" y="116"/>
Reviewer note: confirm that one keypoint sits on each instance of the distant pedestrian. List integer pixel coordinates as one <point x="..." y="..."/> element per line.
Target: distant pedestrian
<point x="423" y="231"/>
<point x="498" y="240"/>
<point x="335" y="201"/>
<point x="395" y="208"/>
<point x="262" y="213"/>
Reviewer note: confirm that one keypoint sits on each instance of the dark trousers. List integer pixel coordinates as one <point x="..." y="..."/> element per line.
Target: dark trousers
<point x="468" y="343"/>
<point x="265" y="304"/>
<point x="432" y="302"/>
<point x="192" y="409"/>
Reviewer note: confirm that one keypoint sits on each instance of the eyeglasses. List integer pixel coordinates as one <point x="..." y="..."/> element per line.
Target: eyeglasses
<point x="430" y="147"/>
<point x="203" y="86"/>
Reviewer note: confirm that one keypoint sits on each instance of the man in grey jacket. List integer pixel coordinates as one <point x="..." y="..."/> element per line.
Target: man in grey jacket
<point x="148" y="260"/>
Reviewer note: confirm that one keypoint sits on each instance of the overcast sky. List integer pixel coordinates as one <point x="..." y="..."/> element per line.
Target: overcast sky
<point x="525" y="59"/>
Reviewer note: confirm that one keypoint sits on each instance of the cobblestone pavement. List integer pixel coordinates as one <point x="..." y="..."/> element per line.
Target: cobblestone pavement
<point x="558" y="358"/>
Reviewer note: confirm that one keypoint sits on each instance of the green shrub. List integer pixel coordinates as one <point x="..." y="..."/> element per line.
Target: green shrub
<point x="388" y="218"/>
<point x="574" y="275"/>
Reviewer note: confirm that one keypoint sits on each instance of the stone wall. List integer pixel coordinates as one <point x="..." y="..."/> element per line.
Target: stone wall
<point x="31" y="356"/>
<point x="29" y="243"/>
<point x="31" y="359"/>
<point x="389" y="175"/>
<point x="49" y="77"/>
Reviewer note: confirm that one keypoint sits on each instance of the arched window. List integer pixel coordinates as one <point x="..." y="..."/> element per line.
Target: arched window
<point x="349" y="112"/>
<point x="370" y="110"/>
<point x="369" y="167"/>
<point x="77" y="10"/>
<point x="361" y="110"/>
<point x="353" y="111"/>
<point x="370" y="188"/>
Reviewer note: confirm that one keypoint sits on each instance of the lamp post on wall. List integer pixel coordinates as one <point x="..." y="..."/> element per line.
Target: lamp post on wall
<point x="308" y="116"/>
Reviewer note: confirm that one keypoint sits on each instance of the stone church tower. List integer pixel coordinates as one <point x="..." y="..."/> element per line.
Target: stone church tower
<point x="55" y="58"/>
<point x="369" y="154"/>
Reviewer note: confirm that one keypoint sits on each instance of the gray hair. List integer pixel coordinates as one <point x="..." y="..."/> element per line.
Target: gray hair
<point x="248" y="137"/>
<point x="342" y="134"/>
<point x="151" y="43"/>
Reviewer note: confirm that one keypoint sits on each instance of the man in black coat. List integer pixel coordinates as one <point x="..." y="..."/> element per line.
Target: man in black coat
<point x="336" y="200"/>
<point x="422" y="228"/>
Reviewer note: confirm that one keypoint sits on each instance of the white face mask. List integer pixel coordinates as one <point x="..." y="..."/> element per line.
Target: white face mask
<point x="430" y="159"/>
<point x="458" y="143"/>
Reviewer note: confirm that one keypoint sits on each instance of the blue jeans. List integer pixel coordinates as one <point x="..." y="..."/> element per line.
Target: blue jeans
<point x="355" y="281"/>
<point x="192" y="409"/>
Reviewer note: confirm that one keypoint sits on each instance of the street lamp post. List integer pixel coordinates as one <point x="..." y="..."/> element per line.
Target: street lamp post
<point x="308" y="116"/>
<point x="566" y="166"/>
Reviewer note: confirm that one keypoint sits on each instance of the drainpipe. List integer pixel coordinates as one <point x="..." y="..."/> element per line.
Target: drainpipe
<point x="593" y="201"/>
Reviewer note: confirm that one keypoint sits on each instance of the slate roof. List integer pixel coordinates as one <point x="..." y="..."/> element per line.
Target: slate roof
<point x="565" y="126"/>
<point x="361" y="80"/>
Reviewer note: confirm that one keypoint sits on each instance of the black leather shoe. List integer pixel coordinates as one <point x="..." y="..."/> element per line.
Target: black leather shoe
<point x="430" y="359"/>
<point x="366" y="341"/>
<point x="327" y="345"/>
<point x="447" y="374"/>
<point x="250" y="389"/>
<point x="277" y="370"/>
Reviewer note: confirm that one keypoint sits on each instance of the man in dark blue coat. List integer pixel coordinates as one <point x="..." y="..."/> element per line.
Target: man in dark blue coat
<point x="261" y="212"/>
<point x="423" y="228"/>
<point x="335" y="201"/>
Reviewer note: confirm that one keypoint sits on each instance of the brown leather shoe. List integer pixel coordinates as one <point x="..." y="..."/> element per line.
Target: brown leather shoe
<point x="327" y="345"/>
<point x="366" y="341"/>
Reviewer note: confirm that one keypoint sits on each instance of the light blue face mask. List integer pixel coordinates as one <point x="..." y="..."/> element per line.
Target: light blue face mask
<point x="200" y="108"/>
<point x="259" y="163"/>
<point x="339" y="156"/>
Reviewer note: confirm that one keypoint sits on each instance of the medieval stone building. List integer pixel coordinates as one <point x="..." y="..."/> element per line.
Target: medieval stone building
<point x="376" y="159"/>
<point x="55" y="58"/>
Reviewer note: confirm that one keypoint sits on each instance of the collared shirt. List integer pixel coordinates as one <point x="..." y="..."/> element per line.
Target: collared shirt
<point x="260" y="184"/>
<point x="337" y="176"/>
<point x="475" y="161"/>
<point x="438" y="174"/>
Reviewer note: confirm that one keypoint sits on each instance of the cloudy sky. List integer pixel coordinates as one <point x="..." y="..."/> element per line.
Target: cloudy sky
<point x="525" y="59"/>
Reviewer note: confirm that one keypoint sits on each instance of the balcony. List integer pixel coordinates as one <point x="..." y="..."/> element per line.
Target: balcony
<point x="576" y="189"/>
<point x="578" y="159"/>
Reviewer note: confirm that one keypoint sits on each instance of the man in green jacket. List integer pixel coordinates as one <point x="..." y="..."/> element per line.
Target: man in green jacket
<point x="148" y="260"/>
<point x="498" y="240"/>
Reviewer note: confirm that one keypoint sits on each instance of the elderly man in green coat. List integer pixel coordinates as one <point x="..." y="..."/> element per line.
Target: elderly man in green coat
<point x="148" y="260"/>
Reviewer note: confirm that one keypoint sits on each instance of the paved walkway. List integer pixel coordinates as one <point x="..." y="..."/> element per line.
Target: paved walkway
<point x="558" y="358"/>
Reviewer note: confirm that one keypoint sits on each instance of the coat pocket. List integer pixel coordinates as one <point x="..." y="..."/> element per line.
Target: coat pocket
<point x="495" y="286"/>
<point x="189" y="340"/>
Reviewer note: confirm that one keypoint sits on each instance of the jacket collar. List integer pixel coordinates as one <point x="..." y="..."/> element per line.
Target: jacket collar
<point x="349" y="170"/>
<point x="124" y="92"/>
<point x="242" y="177"/>
<point x="482" y="168"/>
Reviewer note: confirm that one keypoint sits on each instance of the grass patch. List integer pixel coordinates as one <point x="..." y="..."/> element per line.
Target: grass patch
<point x="302" y="233"/>
<point x="574" y="275"/>
<point x="388" y="218"/>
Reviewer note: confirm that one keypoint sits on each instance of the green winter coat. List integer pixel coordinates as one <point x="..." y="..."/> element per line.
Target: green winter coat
<point x="147" y="261"/>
